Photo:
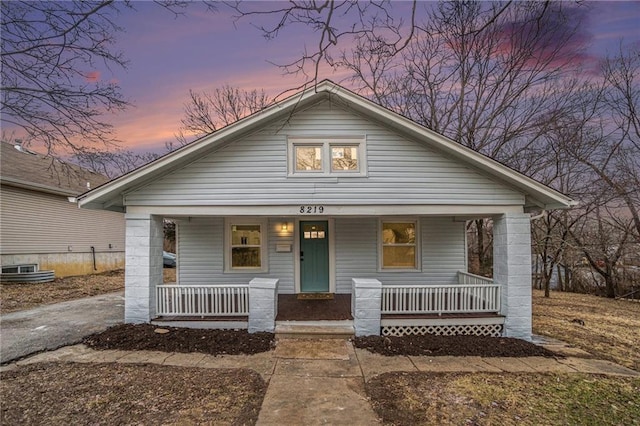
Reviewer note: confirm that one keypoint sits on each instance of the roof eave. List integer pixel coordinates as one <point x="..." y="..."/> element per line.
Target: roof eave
<point x="18" y="183"/>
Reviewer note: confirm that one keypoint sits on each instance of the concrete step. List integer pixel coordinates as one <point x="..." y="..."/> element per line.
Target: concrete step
<point x="314" y="329"/>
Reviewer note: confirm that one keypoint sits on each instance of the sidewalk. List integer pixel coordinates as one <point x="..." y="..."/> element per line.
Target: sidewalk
<point x="317" y="381"/>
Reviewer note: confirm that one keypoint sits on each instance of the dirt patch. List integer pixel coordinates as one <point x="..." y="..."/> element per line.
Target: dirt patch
<point x="101" y="394"/>
<point x="132" y="337"/>
<point x="430" y="345"/>
<point x="20" y="296"/>
<point x="496" y="399"/>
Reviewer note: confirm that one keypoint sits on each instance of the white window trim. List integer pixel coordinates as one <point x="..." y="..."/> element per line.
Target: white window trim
<point x="264" y="247"/>
<point x="327" y="143"/>
<point x="20" y="268"/>
<point x="418" y="253"/>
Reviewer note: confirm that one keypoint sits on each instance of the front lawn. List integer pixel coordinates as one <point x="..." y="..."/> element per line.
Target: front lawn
<point x="607" y="328"/>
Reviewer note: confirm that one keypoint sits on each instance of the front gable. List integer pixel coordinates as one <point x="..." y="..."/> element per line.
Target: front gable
<point x="256" y="170"/>
<point x="245" y="164"/>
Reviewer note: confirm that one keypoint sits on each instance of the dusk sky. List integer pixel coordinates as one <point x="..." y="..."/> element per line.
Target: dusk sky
<point x="203" y="50"/>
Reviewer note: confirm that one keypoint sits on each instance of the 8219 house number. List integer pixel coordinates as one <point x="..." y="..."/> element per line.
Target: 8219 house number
<point x="311" y="209"/>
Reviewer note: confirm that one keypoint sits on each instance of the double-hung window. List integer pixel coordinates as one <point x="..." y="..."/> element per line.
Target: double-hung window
<point x="327" y="157"/>
<point x="246" y="246"/>
<point x="399" y="245"/>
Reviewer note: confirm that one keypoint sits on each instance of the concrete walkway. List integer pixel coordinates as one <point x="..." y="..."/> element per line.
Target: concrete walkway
<point x="52" y="326"/>
<point x="316" y="382"/>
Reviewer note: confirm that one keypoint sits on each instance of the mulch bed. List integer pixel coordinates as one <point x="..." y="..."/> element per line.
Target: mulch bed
<point x="237" y="342"/>
<point x="431" y="345"/>
<point x="214" y="342"/>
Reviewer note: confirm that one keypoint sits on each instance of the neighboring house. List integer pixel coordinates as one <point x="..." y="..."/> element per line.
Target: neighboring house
<point x="327" y="192"/>
<point x="42" y="229"/>
<point x="559" y="274"/>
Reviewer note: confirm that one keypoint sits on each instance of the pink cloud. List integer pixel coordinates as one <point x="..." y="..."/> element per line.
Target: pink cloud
<point x="92" y="76"/>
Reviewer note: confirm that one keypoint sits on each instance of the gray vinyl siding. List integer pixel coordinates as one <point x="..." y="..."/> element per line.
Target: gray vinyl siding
<point x="253" y="171"/>
<point x="442" y="252"/>
<point x="39" y="223"/>
<point x="201" y="254"/>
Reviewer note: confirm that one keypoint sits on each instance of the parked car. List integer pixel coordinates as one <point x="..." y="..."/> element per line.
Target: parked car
<point x="168" y="259"/>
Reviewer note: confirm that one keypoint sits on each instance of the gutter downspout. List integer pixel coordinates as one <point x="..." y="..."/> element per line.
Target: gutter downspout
<point x="538" y="216"/>
<point x="93" y="254"/>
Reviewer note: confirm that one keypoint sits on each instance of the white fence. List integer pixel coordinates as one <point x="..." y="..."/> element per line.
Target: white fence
<point x="202" y="300"/>
<point x="439" y="299"/>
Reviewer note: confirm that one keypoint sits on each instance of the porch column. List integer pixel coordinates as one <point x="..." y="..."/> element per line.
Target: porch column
<point x="263" y="305"/>
<point x="366" y="306"/>
<point x="512" y="270"/>
<point x="143" y="266"/>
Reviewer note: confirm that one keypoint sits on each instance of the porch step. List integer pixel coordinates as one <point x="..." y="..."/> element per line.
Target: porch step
<point x="315" y="329"/>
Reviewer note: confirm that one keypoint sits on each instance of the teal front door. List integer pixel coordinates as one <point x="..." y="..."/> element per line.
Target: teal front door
<point x="314" y="257"/>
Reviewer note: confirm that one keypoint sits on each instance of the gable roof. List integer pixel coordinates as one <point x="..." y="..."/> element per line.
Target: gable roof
<point x="25" y="169"/>
<point x="109" y="196"/>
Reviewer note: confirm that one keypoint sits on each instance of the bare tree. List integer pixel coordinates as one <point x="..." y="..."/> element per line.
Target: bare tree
<point x="488" y="75"/>
<point x="53" y="56"/>
<point x="206" y="112"/>
<point x="111" y="163"/>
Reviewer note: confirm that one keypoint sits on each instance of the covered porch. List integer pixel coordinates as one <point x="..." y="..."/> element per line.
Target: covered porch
<point x="437" y="298"/>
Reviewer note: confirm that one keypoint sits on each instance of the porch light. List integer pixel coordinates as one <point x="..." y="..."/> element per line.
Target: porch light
<point x="284" y="227"/>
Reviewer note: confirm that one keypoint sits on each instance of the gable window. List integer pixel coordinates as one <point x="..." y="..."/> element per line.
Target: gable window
<point x="327" y="157"/>
<point x="344" y="158"/>
<point x="245" y="246"/>
<point x="399" y="246"/>
<point x="308" y="158"/>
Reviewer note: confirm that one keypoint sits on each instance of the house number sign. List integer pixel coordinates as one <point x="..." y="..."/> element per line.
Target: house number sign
<point x="311" y="209"/>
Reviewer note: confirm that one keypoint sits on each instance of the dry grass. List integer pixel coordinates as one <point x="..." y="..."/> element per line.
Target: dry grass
<point x="110" y="394"/>
<point x="611" y="327"/>
<point x="21" y="296"/>
<point x="504" y="399"/>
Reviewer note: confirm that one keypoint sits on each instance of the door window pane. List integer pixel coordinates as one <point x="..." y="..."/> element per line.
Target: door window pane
<point x="308" y="158"/>
<point x="344" y="158"/>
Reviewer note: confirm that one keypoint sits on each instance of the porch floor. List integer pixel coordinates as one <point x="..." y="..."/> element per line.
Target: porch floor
<point x="290" y="308"/>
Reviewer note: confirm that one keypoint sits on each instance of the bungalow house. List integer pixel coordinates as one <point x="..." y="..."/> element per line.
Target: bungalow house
<point x="327" y="193"/>
<point x="41" y="230"/>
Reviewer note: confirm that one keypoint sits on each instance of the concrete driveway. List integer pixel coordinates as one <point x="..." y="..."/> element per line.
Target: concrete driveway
<point x="52" y="326"/>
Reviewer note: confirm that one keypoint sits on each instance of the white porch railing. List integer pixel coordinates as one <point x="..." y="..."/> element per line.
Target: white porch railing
<point x="202" y="300"/>
<point x="440" y="299"/>
<point x="467" y="278"/>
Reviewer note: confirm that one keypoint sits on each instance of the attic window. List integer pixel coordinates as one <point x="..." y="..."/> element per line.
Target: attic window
<point x="327" y="156"/>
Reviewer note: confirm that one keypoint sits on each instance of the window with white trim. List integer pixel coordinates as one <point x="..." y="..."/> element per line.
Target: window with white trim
<point x="399" y="244"/>
<point x="245" y="246"/>
<point x="327" y="156"/>
<point x="19" y="269"/>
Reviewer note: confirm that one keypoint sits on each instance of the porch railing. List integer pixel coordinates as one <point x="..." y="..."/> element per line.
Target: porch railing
<point x="202" y="300"/>
<point x="467" y="278"/>
<point x="440" y="299"/>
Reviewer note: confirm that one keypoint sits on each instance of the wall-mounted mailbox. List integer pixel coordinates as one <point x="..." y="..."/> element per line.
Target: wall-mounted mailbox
<point x="283" y="248"/>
